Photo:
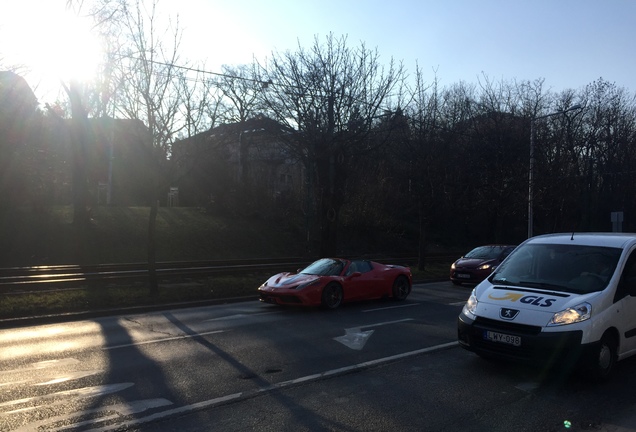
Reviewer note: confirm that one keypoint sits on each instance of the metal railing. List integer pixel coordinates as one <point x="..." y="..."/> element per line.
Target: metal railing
<point x="54" y="277"/>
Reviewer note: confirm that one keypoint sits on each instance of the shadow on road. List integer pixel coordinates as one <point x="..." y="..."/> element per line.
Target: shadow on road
<point x="306" y="419"/>
<point x="138" y="381"/>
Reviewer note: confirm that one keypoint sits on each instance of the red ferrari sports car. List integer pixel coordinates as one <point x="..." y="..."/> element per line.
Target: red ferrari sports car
<point x="329" y="282"/>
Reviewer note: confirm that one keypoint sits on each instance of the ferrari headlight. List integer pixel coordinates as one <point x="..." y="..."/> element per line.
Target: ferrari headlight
<point x="571" y="315"/>
<point x="471" y="304"/>
<point x="307" y="284"/>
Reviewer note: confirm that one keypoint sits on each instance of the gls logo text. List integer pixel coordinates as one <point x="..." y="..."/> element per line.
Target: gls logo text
<point x="526" y="299"/>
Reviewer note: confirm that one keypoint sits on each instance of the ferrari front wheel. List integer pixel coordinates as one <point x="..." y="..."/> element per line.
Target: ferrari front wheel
<point x="332" y="296"/>
<point x="401" y="288"/>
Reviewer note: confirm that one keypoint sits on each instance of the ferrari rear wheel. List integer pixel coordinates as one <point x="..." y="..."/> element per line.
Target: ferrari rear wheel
<point x="332" y="296"/>
<point x="401" y="288"/>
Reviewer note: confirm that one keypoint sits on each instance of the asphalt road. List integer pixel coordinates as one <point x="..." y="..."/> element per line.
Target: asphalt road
<point x="372" y="366"/>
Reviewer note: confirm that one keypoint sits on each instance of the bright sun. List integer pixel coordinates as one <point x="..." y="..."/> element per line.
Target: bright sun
<point x="52" y="43"/>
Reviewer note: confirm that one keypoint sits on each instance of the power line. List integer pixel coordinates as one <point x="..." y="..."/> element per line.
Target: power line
<point x="265" y="84"/>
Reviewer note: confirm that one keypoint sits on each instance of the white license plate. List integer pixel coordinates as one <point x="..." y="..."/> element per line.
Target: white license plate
<point x="463" y="276"/>
<point x="502" y="338"/>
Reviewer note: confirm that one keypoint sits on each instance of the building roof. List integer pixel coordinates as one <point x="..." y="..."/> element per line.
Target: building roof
<point x="15" y="94"/>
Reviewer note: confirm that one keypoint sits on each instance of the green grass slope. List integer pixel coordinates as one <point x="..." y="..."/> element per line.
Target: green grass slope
<point x="119" y="235"/>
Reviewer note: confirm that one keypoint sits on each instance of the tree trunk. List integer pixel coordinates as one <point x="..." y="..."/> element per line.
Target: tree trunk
<point x="328" y="229"/>
<point x="79" y="134"/>
<point x="421" y="244"/>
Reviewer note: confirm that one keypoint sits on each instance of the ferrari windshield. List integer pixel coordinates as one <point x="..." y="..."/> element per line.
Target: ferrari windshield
<point x="569" y="268"/>
<point x="325" y="267"/>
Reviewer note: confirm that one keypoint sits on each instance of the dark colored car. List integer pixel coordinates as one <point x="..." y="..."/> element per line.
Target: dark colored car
<point x="329" y="282"/>
<point x="477" y="264"/>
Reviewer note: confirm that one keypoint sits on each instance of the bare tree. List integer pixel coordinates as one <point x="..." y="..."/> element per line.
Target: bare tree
<point x="498" y="147"/>
<point x="79" y="133"/>
<point x="422" y="153"/>
<point x="596" y="153"/>
<point x="200" y="99"/>
<point x="79" y="138"/>
<point x="331" y="96"/>
<point x="241" y="100"/>
<point x="242" y="91"/>
<point x="146" y="81"/>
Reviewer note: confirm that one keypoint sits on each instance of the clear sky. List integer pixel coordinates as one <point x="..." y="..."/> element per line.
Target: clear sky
<point x="569" y="43"/>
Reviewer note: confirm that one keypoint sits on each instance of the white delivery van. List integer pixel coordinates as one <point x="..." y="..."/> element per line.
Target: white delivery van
<point x="558" y="298"/>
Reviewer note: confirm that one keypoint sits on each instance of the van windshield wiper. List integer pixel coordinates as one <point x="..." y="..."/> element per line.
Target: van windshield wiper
<point x="544" y="285"/>
<point x="503" y="282"/>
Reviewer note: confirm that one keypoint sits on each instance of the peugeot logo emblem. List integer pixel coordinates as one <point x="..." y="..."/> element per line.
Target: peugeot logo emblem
<point x="508" y="314"/>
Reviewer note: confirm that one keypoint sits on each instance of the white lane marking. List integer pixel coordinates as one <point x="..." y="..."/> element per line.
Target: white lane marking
<point x="43" y="365"/>
<point x="69" y="376"/>
<point x="85" y="392"/>
<point x="229" y="317"/>
<point x="462" y="303"/>
<point x="355" y="338"/>
<point x="55" y="363"/>
<point x="24" y="381"/>
<point x="236" y="396"/>
<point x="161" y="340"/>
<point x="121" y="410"/>
<point x="527" y="387"/>
<point x="391" y="307"/>
<point x="240" y="315"/>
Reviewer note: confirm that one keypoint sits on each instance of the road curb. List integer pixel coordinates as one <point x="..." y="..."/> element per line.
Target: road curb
<point x="7" y="323"/>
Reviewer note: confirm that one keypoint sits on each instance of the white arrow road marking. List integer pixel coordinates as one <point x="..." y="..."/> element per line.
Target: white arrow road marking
<point x="161" y="340"/>
<point x="120" y="410"/>
<point x="355" y="338"/>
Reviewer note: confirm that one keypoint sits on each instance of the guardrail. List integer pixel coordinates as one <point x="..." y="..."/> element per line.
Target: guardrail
<point x="67" y="276"/>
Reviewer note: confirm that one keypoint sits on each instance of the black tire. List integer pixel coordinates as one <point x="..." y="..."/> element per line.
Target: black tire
<point x="605" y="357"/>
<point x="332" y="296"/>
<point x="401" y="288"/>
<point x="456" y="282"/>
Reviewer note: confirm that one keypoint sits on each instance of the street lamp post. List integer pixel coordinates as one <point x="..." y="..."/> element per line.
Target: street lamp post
<point x="531" y="167"/>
